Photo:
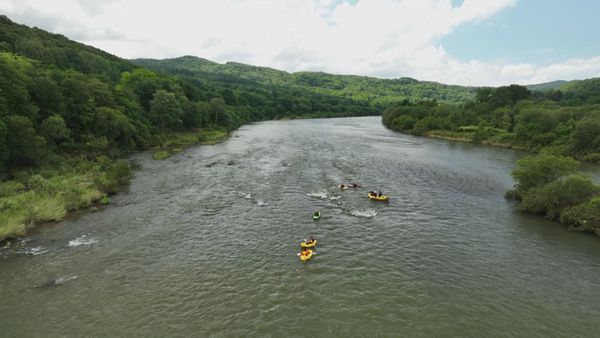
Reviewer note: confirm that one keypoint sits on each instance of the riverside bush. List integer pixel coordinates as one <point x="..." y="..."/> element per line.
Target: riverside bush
<point x="10" y="188"/>
<point x="593" y="158"/>
<point x="37" y="183"/>
<point x="78" y="183"/>
<point x="558" y="195"/>
<point x="537" y="171"/>
<point x="549" y="185"/>
<point x="161" y="155"/>
<point x="584" y="217"/>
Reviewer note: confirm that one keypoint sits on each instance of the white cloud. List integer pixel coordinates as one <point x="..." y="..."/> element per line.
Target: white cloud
<point x="386" y="38"/>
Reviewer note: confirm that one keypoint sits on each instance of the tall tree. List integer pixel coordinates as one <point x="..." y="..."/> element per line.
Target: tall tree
<point x="4" y="150"/>
<point x="54" y="130"/>
<point x="25" y="146"/>
<point x="587" y="134"/>
<point x="115" y="126"/>
<point x="537" y="171"/>
<point x="165" y="110"/>
<point x="13" y="86"/>
<point x="219" y="111"/>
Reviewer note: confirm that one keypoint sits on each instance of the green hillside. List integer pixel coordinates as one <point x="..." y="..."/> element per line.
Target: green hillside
<point x="190" y="65"/>
<point x="546" y="85"/>
<point x="581" y="91"/>
<point x="375" y="91"/>
<point x="55" y="49"/>
<point x="68" y="112"/>
<point x="66" y="99"/>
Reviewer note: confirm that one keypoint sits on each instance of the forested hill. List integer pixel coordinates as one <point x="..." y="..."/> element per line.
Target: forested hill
<point x="60" y="98"/>
<point x="56" y="49"/>
<point x="376" y="91"/>
<point x="546" y="85"/>
<point x="580" y="92"/>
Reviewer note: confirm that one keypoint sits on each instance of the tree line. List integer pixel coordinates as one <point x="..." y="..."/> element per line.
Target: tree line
<point x="371" y="92"/>
<point x="560" y="122"/>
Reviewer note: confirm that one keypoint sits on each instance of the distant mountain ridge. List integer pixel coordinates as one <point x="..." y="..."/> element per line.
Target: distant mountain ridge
<point x="364" y="88"/>
<point x="547" y="85"/>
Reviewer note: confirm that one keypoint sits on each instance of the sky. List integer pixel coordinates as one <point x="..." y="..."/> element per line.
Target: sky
<point x="465" y="42"/>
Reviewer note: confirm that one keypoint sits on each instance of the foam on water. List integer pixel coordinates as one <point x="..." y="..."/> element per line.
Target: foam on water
<point x="63" y="280"/>
<point x="82" y="241"/>
<point x="367" y="213"/>
<point x="34" y="251"/>
<point x="321" y="195"/>
<point x="262" y="203"/>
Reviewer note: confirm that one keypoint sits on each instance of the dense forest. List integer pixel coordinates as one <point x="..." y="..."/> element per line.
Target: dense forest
<point x="563" y="121"/>
<point x="371" y="91"/>
<point x="59" y="97"/>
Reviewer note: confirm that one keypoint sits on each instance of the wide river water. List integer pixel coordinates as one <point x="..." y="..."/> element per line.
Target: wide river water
<point x="205" y="242"/>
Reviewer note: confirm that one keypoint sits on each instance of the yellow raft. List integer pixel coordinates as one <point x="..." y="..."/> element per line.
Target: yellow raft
<point x="382" y="198"/>
<point x="306" y="244"/>
<point x="307" y="256"/>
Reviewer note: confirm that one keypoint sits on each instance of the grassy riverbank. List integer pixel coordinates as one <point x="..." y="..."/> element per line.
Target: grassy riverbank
<point x="469" y="137"/>
<point x="48" y="194"/>
<point x="174" y="142"/>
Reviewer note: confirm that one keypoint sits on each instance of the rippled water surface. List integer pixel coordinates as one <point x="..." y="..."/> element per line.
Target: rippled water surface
<point x="203" y="245"/>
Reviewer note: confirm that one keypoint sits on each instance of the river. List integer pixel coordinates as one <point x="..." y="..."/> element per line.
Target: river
<point x="205" y="242"/>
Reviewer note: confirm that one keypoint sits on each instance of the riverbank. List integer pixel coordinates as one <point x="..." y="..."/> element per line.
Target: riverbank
<point x="577" y="213"/>
<point x="175" y="142"/>
<point x="466" y="137"/>
<point x="495" y="138"/>
<point x="49" y="194"/>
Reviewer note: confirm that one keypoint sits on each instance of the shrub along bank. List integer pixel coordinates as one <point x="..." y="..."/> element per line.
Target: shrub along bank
<point x="552" y="186"/>
<point x="47" y="194"/>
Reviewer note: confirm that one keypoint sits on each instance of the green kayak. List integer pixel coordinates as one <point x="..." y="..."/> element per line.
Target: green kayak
<point x="317" y="215"/>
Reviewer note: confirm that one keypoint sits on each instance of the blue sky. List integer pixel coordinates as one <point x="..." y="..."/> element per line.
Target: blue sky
<point x="465" y="42"/>
<point x="532" y="31"/>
